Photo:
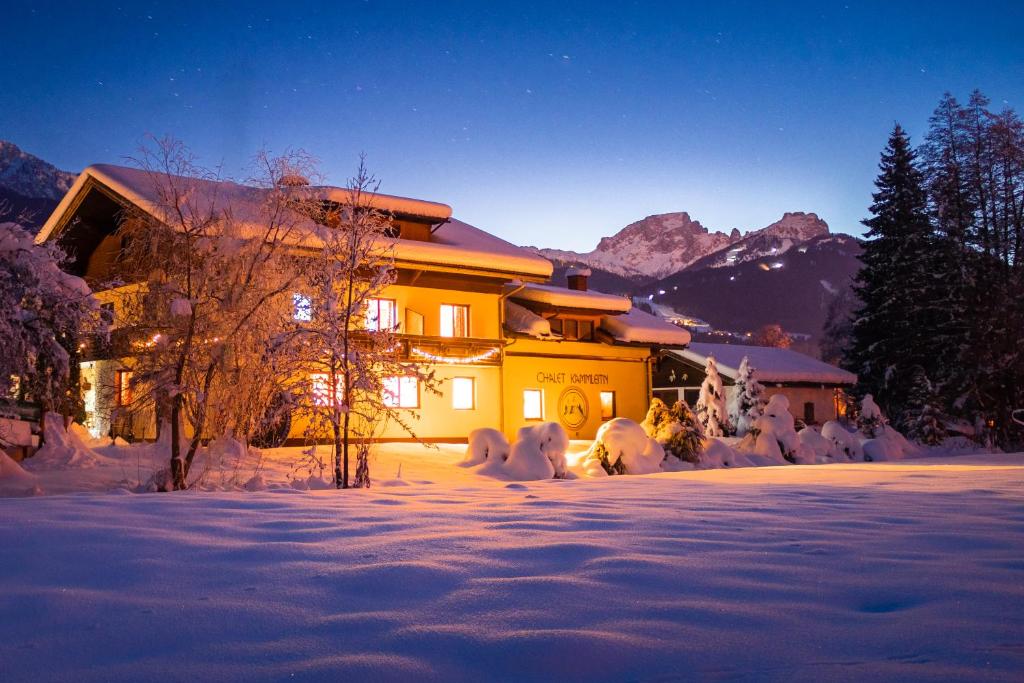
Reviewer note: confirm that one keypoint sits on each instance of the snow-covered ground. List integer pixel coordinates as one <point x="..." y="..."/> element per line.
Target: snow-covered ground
<point x="889" y="571"/>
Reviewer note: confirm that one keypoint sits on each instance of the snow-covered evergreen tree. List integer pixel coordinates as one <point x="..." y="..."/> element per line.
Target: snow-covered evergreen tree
<point x="747" y="403"/>
<point x="922" y="420"/>
<point x="710" y="407"/>
<point x="44" y="312"/>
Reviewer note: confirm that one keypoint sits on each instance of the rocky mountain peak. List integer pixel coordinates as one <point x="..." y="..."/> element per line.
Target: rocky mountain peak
<point x="30" y="176"/>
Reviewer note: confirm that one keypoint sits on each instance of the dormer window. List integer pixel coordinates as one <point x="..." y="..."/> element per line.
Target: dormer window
<point x="573" y="329"/>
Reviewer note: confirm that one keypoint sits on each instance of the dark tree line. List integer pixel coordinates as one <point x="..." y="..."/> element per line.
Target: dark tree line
<point x="937" y="328"/>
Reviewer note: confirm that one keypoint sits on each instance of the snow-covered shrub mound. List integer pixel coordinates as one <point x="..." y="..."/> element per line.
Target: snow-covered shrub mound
<point x="677" y="430"/>
<point x="846" y="442"/>
<point x="623" y="447"/>
<point x="538" y="453"/>
<point x="824" y="449"/>
<point x="888" y="445"/>
<point x="61" y="450"/>
<point x="870" y="420"/>
<point x="12" y="476"/>
<point x="485" y="444"/>
<point x="776" y="436"/>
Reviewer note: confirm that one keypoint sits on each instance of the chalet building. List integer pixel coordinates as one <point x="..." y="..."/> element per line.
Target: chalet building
<point x="509" y="347"/>
<point x="814" y="388"/>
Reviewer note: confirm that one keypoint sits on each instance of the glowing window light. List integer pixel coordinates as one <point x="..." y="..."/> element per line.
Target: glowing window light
<point x="607" y="405"/>
<point x="533" y="404"/>
<point x="321" y="389"/>
<point x="401" y="392"/>
<point x="381" y="314"/>
<point x="463" y="393"/>
<point x="454" y="320"/>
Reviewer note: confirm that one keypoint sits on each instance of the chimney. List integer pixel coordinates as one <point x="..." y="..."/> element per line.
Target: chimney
<point x="577" y="278"/>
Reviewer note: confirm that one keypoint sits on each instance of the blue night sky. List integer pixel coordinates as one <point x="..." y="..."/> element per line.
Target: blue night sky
<point x="550" y="124"/>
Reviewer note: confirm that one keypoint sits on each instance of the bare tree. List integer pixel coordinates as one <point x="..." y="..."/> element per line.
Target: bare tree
<point x="356" y="364"/>
<point x="211" y="267"/>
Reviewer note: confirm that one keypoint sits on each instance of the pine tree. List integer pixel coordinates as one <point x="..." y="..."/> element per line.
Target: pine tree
<point x="892" y="326"/>
<point x="922" y="420"/>
<point x="747" y="404"/>
<point x="711" y="410"/>
<point x="676" y="429"/>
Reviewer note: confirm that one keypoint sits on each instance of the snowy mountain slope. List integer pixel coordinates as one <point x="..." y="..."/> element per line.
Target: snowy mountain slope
<point x="30" y="176"/>
<point x="661" y="245"/>
<point x="791" y="288"/>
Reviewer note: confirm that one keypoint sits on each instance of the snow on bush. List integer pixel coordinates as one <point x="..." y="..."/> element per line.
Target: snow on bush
<point x="776" y="436"/>
<point x="824" y="449"/>
<point x="846" y="442"/>
<point x="676" y="429"/>
<point x="61" y="450"/>
<point x="485" y="444"/>
<point x="622" y="447"/>
<point x="538" y="453"/>
<point x="870" y="420"/>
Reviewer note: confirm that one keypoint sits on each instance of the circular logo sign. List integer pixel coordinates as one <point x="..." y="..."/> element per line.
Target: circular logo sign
<point x="572" y="408"/>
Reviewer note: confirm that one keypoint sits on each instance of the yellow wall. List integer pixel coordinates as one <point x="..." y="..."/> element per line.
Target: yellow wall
<point x="483" y="308"/>
<point x="589" y="368"/>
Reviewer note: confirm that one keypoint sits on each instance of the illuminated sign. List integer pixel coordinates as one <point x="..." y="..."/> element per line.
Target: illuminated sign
<point x="572" y="408"/>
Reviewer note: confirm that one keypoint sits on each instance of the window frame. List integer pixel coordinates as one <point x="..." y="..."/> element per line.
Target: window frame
<point x="377" y="300"/>
<point x="540" y="404"/>
<point x="398" y="383"/>
<point x="124" y="387"/>
<point x="454" y="334"/>
<point x="322" y="397"/>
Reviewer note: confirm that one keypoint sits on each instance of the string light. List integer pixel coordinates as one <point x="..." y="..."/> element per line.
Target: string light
<point x="485" y="355"/>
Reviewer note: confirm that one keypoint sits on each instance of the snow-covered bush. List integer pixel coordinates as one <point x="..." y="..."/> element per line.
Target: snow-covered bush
<point x="776" y="435"/>
<point x="710" y="407"/>
<point x="485" y="444"/>
<point x="61" y="449"/>
<point x="747" y="403"/>
<point x="870" y="419"/>
<point x="676" y="430"/>
<point x="846" y="442"/>
<point x="822" y="448"/>
<point x="623" y="447"/>
<point x="539" y="452"/>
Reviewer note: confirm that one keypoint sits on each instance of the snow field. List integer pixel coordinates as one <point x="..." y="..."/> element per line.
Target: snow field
<point x="887" y="571"/>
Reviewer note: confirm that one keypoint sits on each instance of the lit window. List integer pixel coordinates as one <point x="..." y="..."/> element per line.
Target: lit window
<point x="607" y="405"/>
<point x="302" y="308"/>
<point x="381" y="314"/>
<point x="533" y="404"/>
<point x="454" y="320"/>
<point x="463" y="391"/>
<point x="320" y="385"/>
<point x="124" y="387"/>
<point x="401" y="392"/>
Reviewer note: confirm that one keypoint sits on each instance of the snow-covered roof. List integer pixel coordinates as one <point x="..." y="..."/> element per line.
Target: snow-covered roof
<point x="524" y="321"/>
<point x="770" y="364"/>
<point x="569" y="298"/>
<point x="454" y="243"/>
<point x="637" y="326"/>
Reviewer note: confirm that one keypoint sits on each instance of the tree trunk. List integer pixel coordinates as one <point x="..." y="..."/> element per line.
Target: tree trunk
<point x="177" y="463"/>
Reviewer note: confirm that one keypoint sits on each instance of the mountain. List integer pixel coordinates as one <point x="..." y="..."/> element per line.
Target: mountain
<point x="30" y="188"/>
<point x="793" y="229"/>
<point x="791" y="287"/>
<point x="650" y="248"/>
<point x="30" y="176"/>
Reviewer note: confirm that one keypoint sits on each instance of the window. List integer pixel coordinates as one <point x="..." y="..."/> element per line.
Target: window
<point x="454" y="320"/>
<point x="124" y="387"/>
<point x="381" y="314"/>
<point x="463" y="393"/>
<point x="320" y="385"/>
<point x="302" y="308"/>
<point x="809" y="412"/>
<point x="570" y="329"/>
<point x="586" y="330"/>
<point x="556" y="325"/>
<point x="401" y="392"/>
<point x="533" y="404"/>
<point x="107" y="313"/>
<point x="573" y="329"/>
<point x="607" y="405"/>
